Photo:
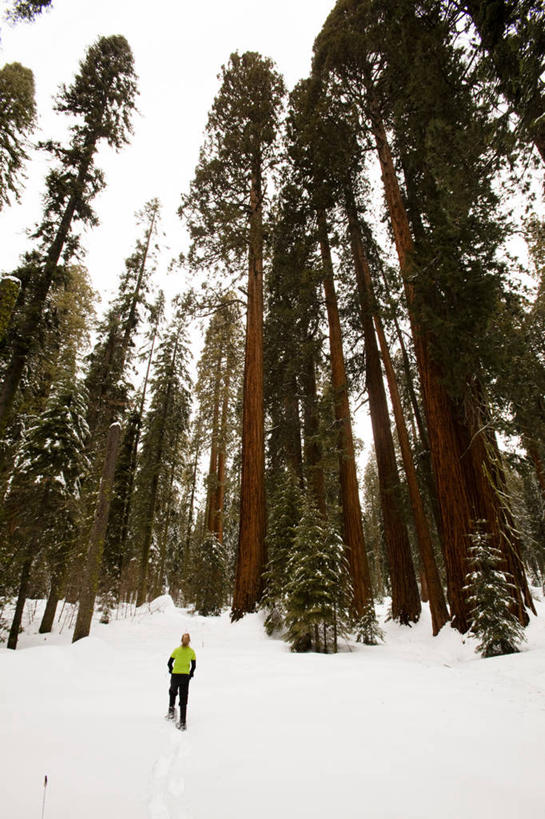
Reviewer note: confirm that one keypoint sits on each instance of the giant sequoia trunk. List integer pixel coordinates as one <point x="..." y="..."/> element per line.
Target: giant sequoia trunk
<point x="432" y="589"/>
<point x="251" y="541"/>
<point x="97" y="535"/>
<point x="460" y="492"/>
<point x="352" y="523"/>
<point x="405" y="597"/>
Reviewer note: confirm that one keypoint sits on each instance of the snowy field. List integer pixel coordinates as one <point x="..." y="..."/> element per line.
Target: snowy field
<point x="417" y="728"/>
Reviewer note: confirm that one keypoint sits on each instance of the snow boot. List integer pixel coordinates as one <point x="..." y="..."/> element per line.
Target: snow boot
<point x="181" y="724"/>
<point x="170" y="714"/>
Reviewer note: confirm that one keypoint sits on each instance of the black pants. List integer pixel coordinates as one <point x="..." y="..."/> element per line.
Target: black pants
<point x="179" y="684"/>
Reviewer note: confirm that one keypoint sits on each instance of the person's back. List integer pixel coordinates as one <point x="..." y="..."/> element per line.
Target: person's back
<point x="181" y="664"/>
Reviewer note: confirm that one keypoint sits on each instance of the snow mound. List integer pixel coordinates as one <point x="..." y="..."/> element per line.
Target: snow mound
<point x="161" y="604"/>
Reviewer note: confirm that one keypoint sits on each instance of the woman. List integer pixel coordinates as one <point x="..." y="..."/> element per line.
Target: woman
<point x="181" y="664"/>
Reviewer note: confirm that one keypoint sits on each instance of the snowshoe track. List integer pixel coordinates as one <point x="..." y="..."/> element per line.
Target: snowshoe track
<point x="168" y="781"/>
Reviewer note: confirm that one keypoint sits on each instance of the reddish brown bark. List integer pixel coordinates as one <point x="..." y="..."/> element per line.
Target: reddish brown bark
<point x="352" y="523"/>
<point x="432" y="589"/>
<point x="405" y="597"/>
<point x="251" y="543"/>
<point x="460" y="494"/>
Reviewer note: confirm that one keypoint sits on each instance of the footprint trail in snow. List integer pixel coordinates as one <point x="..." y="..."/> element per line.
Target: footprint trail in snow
<point x="168" y="781"/>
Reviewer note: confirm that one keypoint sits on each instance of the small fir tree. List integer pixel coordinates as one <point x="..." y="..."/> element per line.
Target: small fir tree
<point x="490" y="600"/>
<point x="285" y="513"/>
<point x="42" y="505"/>
<point x="367" y="628"/>
<point x="318" y="593"/>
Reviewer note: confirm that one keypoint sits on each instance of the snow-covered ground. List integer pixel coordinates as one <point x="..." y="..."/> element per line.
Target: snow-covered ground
<point x="417" y="728"/>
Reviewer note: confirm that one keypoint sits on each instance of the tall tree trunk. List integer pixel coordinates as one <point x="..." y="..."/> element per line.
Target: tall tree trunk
<point x="457" y="493"/>
<point x="20" y="605"/>
<point x="533" y="452"/>
<point x="96" y="537"/>
<point x="33" y="310"/>
<point x="163" y="539"/>
<point x="58" y="575"/>
<point x="432" y="589"/>
<point x="222" y="457"/>
<point x="311" y="428"/>
<point x="405" y="596"/>
<point x="352" y="522"/>
<point x="425" y="458"/>
<point x="152" y="496"/>
<point x="127" y="505"/>
<point x="212" y="482"/>
<point x="192" y="499"/>
<point x="294" y="454"/>
<point x="252" y="555"/>
<point x="50" y="610"/>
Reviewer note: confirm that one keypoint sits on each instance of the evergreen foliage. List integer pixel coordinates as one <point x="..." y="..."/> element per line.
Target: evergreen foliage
<point x="240" y="149"/>
<point x="209" y="576"/>
<point x="42" y="505"/>
<point x="101" y="102"/>
<point x="284" y="516"/>
<point x="490" y="599"/>
<point x="164" y="433"/>
<point x="27" y="9"/>
<point x="17" y="120"/>
<point x="317" y="592"/>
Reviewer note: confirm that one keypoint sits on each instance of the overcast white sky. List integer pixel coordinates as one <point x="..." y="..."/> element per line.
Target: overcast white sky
<point x="179" y="47"/>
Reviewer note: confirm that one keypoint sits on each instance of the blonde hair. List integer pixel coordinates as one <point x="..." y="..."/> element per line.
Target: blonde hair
<point x="186" y="639"/>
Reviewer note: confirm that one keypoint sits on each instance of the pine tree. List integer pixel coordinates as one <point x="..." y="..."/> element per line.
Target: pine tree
<point x="225" y="212"/>
<point x="163" y="435"/>
<point x="109" y="360"/>
<point x="27" y="9"/>
<point x="284" y="515"/>
<point x="42" y="505"/>
<point x="489" y="593"/>
<point x="318" y="596"/>
<point x="101" y="101"/>
<point x="209" y="575"/>
<point x="17" y="121"/>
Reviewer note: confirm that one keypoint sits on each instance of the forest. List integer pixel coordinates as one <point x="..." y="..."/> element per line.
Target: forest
<point x="371" y="239"/>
